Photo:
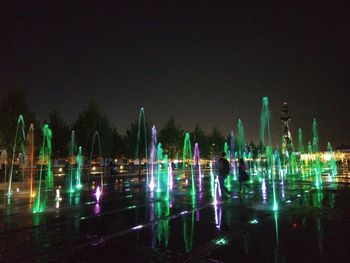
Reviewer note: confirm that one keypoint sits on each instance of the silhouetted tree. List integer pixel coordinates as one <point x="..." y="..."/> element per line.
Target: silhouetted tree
<point x="60" y="133"/>
<point x="130" y="142"/>
<point x="198" y="136"/>
<point x="92" y="119"/>
<point x="217" y="141"/>
<point x="14" y="103"/>
<point x="171" y="137"/>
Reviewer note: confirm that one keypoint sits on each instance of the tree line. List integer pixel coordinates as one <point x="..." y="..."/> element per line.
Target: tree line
<point x="91" y="119"/>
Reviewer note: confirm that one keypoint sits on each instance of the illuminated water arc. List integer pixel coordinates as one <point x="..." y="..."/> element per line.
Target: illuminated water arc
<point x="153" y="157"/>
<point x="20" y="123"/>
<point x="142" y="117"/>
<point x="96" y="135"/>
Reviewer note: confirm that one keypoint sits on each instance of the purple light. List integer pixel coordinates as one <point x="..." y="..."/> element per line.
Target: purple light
<point x="98" y="193"/>
<point x="198" y="164"/>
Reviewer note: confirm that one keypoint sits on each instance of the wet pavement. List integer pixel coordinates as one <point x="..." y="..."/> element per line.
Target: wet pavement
<point x="129" y="223"/>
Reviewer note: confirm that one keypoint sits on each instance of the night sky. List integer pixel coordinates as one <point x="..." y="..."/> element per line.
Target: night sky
<point x="200" y="62"/>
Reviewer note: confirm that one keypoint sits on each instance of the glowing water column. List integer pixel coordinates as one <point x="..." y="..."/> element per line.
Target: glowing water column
<point x="301" y="150"/>
<point x="153" y="157"/>
<point x="265" y="122"/>
<point x="142" y="117"/>
<point x="30" y="155"/>
<point x="232" y="155"/>
<point x="318" y="179"/>
<point x="265" y="125"/>
<point x="80" y="161"/>
<point x="71" y="162"/>
<point x="187" y="158"/>
<point x="240" y="139"/>
<point x="96" y="135"/>
<point x="45" y="158"/>
<point x="227" y="152"/>
<point x="159" y="165"/>
<point x="197" y="163"/>
<point x="20" y="137"/>
<point x="331" y="160"/>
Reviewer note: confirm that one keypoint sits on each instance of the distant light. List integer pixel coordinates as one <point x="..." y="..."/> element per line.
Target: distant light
<point x="137" y="227"/>
<point x="183" y="212"/>
<point x="221" y="242"/>
<point x="98" y="193"/>
<point x="253" y="221"/>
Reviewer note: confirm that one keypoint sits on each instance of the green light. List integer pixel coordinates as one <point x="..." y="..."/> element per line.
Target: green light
<point x="221" y="242"/>
<point x="253" y="221"/>
<point x="275" y="207"/>
<point x="187" y="159"/>
<point x="45" y="157"/>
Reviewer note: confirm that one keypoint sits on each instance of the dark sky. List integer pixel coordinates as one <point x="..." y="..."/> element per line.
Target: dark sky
<point x="202" y="62"/>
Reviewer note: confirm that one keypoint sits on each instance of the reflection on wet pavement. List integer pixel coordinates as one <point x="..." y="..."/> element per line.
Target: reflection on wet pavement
<point x="128" y="223"/>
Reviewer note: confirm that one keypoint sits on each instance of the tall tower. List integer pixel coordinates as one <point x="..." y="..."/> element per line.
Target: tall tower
<point x="285" y="118"/>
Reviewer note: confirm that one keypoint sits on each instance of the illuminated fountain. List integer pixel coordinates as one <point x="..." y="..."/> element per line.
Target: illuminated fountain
<point x="71" y="163"/>
<point x="80" y="161"/>
<point x="332" y="165"/>
<point x="316" y="149"/>
<point x="228" y="178"/>
<point x="187" y="159"/>
<point x="300" y="140"/>
<point x="166" y="174"/>
<point x="292" y="161"/>
<point x="94" y="137"/>
<point x="159" y="166"/>
<point x="142" y="118"/>
<point x="45" y="160"/>
<point x="153" y="158"/>
<point x="197" y="163"/>
<point x="20" y="139"/>
<point x="232" y="156"/>
<point x="30" y="159"/>
<point x="270" y="162"/>
<point x="240" y="139"/>
<point x="265" y="123"/>
<point x="170" y="177"/>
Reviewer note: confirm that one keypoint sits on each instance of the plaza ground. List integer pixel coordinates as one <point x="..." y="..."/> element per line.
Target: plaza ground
<point x="129" y="223"/>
